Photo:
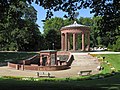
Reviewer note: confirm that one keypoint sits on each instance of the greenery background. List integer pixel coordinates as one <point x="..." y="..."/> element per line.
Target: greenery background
<point x="19" y="31"/>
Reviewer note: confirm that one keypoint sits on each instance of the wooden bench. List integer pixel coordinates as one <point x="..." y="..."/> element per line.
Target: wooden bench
<point x="85" y="72"/>
<point x="44" y="74"/>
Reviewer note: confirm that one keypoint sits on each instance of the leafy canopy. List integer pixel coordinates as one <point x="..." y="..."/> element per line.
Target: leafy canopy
<point x="108" y="9"/>
<point x="18" y="28"/>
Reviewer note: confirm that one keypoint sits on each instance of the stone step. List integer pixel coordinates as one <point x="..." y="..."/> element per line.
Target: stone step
<point x="84" y="60"/>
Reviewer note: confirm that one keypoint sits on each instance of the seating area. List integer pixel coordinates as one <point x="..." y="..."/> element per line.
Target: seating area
<point x="45" y="75"/>
<point x="85" y="72"/>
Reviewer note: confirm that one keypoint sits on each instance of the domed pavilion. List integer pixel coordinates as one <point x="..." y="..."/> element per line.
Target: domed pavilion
<point x="75" y="29"/>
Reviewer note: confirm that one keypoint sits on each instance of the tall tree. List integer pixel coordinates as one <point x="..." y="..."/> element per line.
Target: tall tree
<point x="108" y="9"/>
<point x="88" y="22"/>
<point x="52" y="40"/>
<point x="54" y="23"/>
<point x="95" y="32"/>
<point x="17" y="26"/>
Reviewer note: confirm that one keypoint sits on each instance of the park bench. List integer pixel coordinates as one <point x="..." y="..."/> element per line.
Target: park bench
<point x="44" y="74"/>
<point x="85" y="72"/>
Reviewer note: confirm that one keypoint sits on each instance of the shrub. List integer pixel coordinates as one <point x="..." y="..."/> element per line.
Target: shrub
<point x="116" y="47"/>
<point x="110" y="47"/>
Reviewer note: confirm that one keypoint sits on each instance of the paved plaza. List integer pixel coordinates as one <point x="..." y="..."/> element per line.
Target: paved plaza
<point x="82" y="61"/>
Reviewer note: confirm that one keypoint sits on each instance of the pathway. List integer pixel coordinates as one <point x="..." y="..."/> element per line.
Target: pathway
<point x="81" y="62"/>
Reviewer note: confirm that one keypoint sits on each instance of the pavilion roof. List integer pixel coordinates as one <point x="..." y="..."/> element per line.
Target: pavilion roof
<point x="74" y="25"/>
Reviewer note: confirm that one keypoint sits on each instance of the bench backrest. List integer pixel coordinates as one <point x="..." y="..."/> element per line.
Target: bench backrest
<point x="86" y="71"/>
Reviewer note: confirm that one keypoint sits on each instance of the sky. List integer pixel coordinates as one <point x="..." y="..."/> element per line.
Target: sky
<point x="41" y="14"/>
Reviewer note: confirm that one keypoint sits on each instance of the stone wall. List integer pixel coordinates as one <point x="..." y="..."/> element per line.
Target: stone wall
<point x="65" y="60"/>
<point x="38" y="68"/>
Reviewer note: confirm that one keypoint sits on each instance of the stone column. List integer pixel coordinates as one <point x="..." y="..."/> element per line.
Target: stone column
<point x="66" y="41"/>
<point x="88" y="41"/>
<point x="17" y="66"/>
<point x="62" y="41"/>
<point x="56" y="63"/>
<point x="49" y="60"/>
<point x="23" y="65"/>
<point x="41" y="61"/>
<point x="83" y="41"/>
<point x="76" y="36"/>
<point x="74" y="41"/>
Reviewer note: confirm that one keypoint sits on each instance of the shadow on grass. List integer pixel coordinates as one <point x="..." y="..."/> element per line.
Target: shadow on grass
<point x="102" y="83"/>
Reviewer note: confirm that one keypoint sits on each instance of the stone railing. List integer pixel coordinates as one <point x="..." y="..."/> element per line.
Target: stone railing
<point x="37" y="68"/>
<point x="13" y="65"/>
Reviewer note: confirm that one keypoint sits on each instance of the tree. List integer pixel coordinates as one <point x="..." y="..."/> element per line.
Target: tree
<point x="18" y="27"/>
<point x="85" y="21"/>
<point x="52" y="32"/>
<point x="53" y="23"/>
<point x="95" y="32"/>
<point x="68" y="21"/>
<point x="108" y="9"/>
<point x="88" y="22"/>
<point x="116" y="46"/>
<point x="52" y="39"/>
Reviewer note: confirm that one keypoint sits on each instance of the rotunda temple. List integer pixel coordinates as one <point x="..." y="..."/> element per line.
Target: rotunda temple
<point x="75" y="29"/>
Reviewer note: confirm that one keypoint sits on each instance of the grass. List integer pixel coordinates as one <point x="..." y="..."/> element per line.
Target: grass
<point x="113" y="60"/>
<point x="109" y="83"/>
<point x="14" y="56"/>
<point x="87" y="83"/>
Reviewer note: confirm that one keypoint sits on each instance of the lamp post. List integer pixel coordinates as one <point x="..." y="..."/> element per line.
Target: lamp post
<point x="53" y="45"/>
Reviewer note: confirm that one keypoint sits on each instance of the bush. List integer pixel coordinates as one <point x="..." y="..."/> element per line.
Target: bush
<point x="110" y="46"/>
<point x="116" y="47"/>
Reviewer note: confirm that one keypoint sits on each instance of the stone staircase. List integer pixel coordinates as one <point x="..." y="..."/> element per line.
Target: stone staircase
<point x="85" y="62"/>
<point x="81" y="62"/>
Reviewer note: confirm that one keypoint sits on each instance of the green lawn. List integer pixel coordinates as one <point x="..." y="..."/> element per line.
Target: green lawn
<point x="111" y="82"/>
<point x="14" y="56"/>
<point x="113" y="59"/>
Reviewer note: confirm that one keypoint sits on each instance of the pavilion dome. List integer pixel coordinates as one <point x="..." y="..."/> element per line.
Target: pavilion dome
<point x="74" y="25"/>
